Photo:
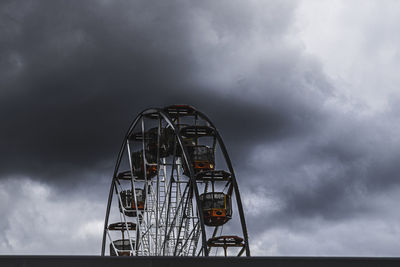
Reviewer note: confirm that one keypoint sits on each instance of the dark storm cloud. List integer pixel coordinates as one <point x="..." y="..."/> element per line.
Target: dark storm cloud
<point x="77" y="74"/>
<point x="87" y="70"/>
<point x="74" y="75"/>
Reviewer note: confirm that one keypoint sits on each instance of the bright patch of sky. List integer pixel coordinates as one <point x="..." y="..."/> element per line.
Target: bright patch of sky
<point x="358" y="45"/>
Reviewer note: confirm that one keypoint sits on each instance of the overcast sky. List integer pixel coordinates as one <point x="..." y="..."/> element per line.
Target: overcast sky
<point x="305" y="94"/>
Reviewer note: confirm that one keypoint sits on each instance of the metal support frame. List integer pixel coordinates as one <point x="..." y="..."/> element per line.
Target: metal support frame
<point x="185" y="198"/>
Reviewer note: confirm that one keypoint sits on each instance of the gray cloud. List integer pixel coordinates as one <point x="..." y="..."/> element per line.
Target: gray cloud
<point x="74" y="76"/>
<point x="331" y="176"/>
<point x="83" y="71"/>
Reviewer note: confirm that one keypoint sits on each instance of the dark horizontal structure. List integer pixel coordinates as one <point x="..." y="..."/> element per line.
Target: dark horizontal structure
<point x="98" y="261"/>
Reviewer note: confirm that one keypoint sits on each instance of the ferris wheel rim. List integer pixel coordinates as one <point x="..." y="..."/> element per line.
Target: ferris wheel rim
<point x="161" y="112"/>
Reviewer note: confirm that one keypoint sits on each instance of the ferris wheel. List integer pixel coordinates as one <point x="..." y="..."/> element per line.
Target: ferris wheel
<point x="174" y="191"/>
